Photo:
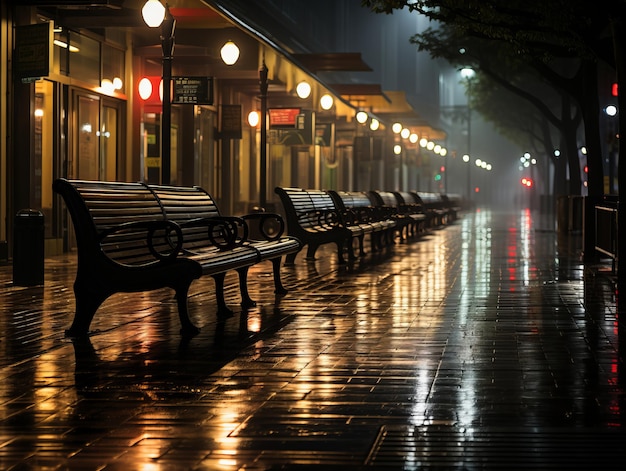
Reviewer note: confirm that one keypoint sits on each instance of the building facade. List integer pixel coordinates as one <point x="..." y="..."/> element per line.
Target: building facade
<point x="72" y="106"/>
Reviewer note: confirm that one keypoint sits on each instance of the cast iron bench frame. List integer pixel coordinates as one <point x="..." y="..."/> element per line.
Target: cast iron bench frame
<point x="356" y="208"/>
<point x="406" y="221"/>
<point x="313" y="217"/>
<point x="134" y="237"/>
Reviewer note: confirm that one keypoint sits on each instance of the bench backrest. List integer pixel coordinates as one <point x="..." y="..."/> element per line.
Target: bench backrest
<point x="351" y="199"/>
<point x="303" y="207"/>
<point x="431" y="200"/>
<point x="96" y="207"/>
<point x="384" y="198"/>
<point x="184" y="204"/>
<point x="406" y="197"/>
<point x="453" y="200"/>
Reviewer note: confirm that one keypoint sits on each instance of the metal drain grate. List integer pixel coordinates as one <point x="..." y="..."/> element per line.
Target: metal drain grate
<point x="448" y="447"/>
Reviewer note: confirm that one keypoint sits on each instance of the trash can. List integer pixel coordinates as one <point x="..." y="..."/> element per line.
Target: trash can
<point x="28" y="248"/>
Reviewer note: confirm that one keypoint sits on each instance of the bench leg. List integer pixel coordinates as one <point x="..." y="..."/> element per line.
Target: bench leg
<point x="87" y="303"/>
<point x="222" y="308"/>
<point x="375" y="242"/>
<point x="290" y="259"/>
<point x="310" y="251"/>
<point x="361" y="248"/>
<point x="246" y="300"/>
<point x="187" y="327"/>
<point x="340" y="245"/>
<point x="350" y="247"/>
<point x="279" y="289"/>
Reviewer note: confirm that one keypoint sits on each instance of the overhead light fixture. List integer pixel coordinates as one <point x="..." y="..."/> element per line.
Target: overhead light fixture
<point x="153" y="13"/>
<point x="145" y="88"/>
<point x="229" y="53"/>
<point x="106" y="86"/>
<point x="361" y="117"/>
<point x="65" y="45"/>
<point x="303" y="89"/>
<point x="326" y="102"/>
<point x="374" y="124"/>
<point x="396" y="128"/>
<point x="467" y="73"/>
<point x="253" y="119"/>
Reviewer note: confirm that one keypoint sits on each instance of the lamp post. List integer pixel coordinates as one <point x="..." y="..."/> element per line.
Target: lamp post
<point x="468" y="73"/>
<point x="155" y="15"/>
<point x="263" y="123"/>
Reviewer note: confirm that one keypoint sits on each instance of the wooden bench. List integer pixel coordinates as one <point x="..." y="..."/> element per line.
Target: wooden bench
<point x="313" y="218"/>
<point x="454" y="203"/>
<point x="411" y="205"/>
<point x="134" y="237"/>
<point x="356" y="208"/>
<point x="406" y="222"/>
<point x="436" y="207"/>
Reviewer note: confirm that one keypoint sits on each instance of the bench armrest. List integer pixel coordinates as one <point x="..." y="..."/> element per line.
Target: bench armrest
<point x="163" y="229"/>
<point x="266" y="224"/>
<point x="225" y="232"/>
<point x="326" y="217"/>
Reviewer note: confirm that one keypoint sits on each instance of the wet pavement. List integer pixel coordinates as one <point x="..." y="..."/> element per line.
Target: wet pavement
<point x="483" y="345"/>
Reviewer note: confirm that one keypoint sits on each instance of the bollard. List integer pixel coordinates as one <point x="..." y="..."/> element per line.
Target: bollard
<point x="28" y="248"/>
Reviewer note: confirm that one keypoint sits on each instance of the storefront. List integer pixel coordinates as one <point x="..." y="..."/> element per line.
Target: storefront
<point x="85" y="116"/>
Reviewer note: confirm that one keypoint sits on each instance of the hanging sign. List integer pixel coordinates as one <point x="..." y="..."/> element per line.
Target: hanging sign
<point x="230" y="122"/>
<point x="283" y="117"/>
<point x="33" y="51"/>
<point x="193" y="90"/>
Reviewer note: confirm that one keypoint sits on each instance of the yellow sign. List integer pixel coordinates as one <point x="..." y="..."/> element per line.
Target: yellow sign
<point x="153" y="162"/>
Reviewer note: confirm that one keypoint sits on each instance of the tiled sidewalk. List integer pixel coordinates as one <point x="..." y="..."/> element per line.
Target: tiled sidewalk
<point x="479" y="346"/>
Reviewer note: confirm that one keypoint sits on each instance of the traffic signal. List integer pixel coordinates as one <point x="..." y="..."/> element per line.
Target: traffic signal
<point x="527" y="182"/>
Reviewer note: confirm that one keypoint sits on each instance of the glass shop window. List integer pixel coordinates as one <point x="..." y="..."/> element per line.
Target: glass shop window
<point x="113" y="66"/>
<point x="85" y="62"/>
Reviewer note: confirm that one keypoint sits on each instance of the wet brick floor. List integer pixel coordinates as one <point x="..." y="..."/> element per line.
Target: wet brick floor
<point x="483" y="345"/>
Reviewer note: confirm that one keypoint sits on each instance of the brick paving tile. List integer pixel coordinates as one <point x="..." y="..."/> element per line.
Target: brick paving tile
<point x="483" y="345"/>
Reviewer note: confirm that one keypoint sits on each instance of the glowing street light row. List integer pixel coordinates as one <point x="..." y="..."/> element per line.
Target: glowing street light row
<point x="478" y="162"/>
<point x="405" y="133"/>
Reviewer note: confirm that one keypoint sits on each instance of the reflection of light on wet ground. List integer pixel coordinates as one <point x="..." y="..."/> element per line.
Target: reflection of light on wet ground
<point x="476" y="328"/>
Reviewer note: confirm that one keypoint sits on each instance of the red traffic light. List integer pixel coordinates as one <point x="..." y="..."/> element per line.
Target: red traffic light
<point x="527" y="182"/>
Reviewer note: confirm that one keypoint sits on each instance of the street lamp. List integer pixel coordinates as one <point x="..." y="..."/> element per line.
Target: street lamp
<point x="155" y="15"/>
<point x="263" y="85"/>
<point x="468" y="74"/>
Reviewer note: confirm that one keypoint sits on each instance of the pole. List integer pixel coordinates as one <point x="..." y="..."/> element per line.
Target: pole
<point x="167" y="44"/>
<point x="263" y="151"/>
<point x="469" y="147"/>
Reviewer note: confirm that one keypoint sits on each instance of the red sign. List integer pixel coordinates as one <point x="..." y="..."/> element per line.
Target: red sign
<point x="283" y="117"/>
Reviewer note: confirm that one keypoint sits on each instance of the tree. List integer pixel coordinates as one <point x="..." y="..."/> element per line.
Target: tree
<point x="542" y="32"/>
<point x="500" y="69"/>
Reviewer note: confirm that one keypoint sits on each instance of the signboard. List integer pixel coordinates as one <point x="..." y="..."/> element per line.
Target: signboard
<point x="283" y="117"/>
<point x="193" y="90"/>
<point x="33" y="51"/>
<point x="230" y="122"/>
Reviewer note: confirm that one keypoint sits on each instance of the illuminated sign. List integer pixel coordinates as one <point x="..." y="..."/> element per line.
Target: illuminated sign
<point x="283" y="117"/>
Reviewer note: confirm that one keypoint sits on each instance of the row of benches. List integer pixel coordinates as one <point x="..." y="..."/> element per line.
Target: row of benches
<point x="133" y="237"/>
<point x="318" y="217"/>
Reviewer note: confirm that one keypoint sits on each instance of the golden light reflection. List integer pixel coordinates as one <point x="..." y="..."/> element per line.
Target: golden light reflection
<point x="254" y="321"/>
<point x="525" y="244"/>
